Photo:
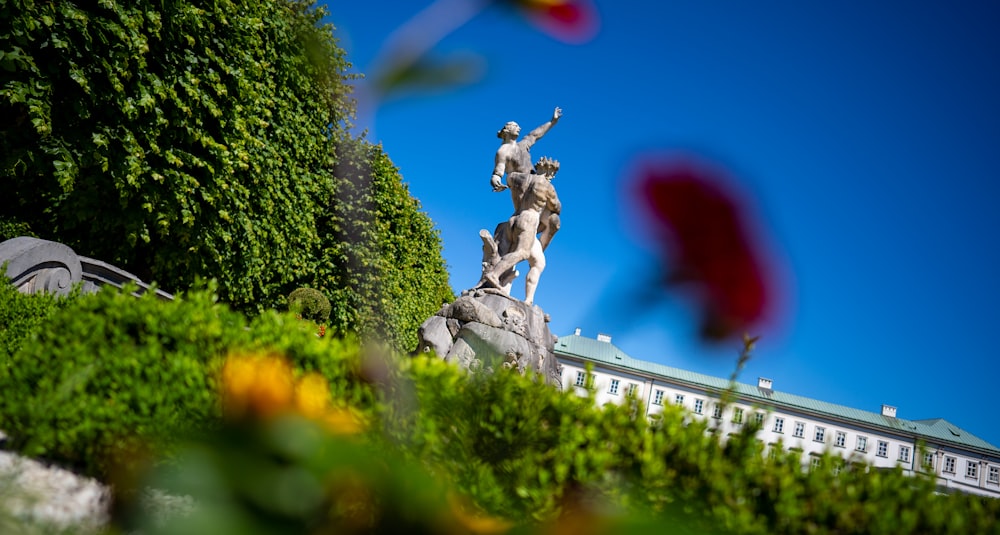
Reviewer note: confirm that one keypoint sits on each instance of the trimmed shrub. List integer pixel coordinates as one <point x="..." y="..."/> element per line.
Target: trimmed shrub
<point x="24" y="316"/>
<point x="112" y="374"/>
<point x="109" y="373"/>
<point x="211" y="140"/>
<point x="310" y="304"/>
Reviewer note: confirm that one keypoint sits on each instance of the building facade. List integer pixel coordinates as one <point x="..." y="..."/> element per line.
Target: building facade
<point x="958" y="459"/>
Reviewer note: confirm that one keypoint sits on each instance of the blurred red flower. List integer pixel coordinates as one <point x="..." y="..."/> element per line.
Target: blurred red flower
<point x="572" y="21"/>
<point x="709" y="251"/>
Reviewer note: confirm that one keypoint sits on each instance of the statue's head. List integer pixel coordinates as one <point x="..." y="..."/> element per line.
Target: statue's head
<point x="547" y="166"/>
<point x="510" y="130"/>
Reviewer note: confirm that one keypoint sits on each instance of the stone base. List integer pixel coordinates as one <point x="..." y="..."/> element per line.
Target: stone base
<point x="487" y="330"/>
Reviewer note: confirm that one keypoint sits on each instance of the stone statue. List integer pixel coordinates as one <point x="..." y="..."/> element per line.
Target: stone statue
<point x="486" y="329"/>
<point x="514" y="241"/>
<point x="536" y="210"/>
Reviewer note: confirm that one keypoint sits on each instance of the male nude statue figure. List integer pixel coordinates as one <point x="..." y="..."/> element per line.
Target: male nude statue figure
<point x="537" y="209"/>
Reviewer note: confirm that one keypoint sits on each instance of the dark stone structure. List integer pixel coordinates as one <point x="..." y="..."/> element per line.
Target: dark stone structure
<point x="35" y="266"/>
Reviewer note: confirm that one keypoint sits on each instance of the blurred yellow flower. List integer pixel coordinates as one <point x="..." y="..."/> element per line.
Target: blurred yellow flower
<point x="343" y="422"/>
<point x="254" y="385"/>
<point x="312" y="396"/>
<point x="263" y="386"/>
<point x="473" y="523"/>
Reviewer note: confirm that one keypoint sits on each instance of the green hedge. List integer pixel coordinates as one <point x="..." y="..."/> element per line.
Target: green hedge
<point x="110" y="370"/>
<point x="117" y="374"/>
<point x="24" y="316"/>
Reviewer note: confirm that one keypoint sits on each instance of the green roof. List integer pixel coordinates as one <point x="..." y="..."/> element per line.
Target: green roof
<point x="935" y="430"/>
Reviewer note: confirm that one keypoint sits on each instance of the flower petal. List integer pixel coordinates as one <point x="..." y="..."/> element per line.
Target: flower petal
<point x="703" y="232"/>
<point x="571" y="21"/>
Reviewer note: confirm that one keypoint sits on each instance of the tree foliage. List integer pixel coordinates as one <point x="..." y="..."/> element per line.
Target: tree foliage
<point x="175" y="139"/>
<point x="381" y="263"/>
<point x="182" y="140"/>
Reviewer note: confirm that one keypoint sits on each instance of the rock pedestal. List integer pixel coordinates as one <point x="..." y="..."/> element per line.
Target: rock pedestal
<point x="488" y="330"/>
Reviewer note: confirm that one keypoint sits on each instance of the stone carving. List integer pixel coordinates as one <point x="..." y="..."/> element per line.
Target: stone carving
<point x="484" y="331"/>
<point x="526" y="234"/>
<point x="536" y="209"/>
<point x="35" y="266"/>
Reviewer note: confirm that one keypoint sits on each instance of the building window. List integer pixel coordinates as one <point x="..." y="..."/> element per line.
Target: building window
<point x="972" y="469"/>
<point x="699" y="405"/>
<point x="820" y="434"/>
<point x="614" y="387"/>
<point x="632" y="388"/>
<point x="779" y="425"/>
<point x="737" y="415"/>
<point x="800" y="430"/>
<point x="840" y="439"/>
<point x="679" y="399"/>
<point x="994" y="475"/>
<point x="581" y="378"/>
<point x="904" y="454"/>
<point x="814" y="463"/>
<point x="758" y="420"/>
<point x="883" y="449"/>
<point x="949" y="465"/>
<point x="862" y="444"/>
<point x="658" y="398"/>
<point x="929" y="460"/>
<point x="716" y="411"/>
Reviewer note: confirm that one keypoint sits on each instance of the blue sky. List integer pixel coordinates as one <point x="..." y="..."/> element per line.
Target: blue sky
<point x="866" y="137"/>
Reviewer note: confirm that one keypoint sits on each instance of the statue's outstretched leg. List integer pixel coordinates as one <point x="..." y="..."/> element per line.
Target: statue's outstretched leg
<point x="537" y="262"/>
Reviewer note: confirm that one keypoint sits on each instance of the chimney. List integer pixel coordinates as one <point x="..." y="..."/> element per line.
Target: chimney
<point x="764" y="383"/>
<point x="577" y="333"/>
<point x="601" y="337"/>
<point x="888" y="410"/>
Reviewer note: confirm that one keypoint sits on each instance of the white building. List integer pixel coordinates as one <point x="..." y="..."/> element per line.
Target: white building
<point x="960" y="460"/>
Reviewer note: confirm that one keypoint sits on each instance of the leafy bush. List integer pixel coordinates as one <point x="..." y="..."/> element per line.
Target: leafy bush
<point x="120" y="373"/>
<point x="110" y="372"/>
<point x="310" y="304"/>
<point x="11" y="228"/>
<point x="522" y="450"/>
<point x="23" y="316"/>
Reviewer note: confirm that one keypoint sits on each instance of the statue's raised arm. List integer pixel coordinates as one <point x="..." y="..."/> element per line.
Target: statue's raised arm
<point x="537" y="133"/>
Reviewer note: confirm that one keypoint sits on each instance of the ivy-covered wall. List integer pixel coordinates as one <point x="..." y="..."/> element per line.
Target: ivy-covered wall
<point x="174" y="139"/>
<point x="182" y="140"/>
